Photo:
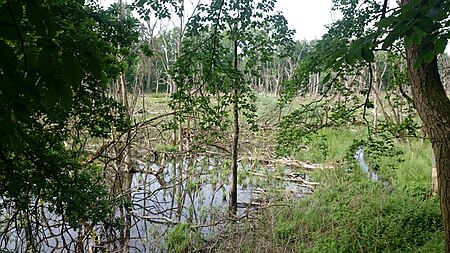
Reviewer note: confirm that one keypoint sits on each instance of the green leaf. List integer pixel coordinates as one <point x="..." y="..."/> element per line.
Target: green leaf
<point x="47" y="59"/>
<point x="93" y="65"/>
<point x="389" y="40"/>
<point x="11" y="15"/>
<point x="429" y="56"/>
<point x="4" y="14"/>
<point x="433" y="12"/>
<point x="141" y="3"/>
<point x="13" y="142"/>
<point x="72" y="69"/>
<point x="434" y="2"/>
<point x="64" y="92"/>
<point x="40" y="18"/>
<point x="7" y="86"/>
<point x="9" y="31"/>
<point x="385" y="22"/>
<point x="326" y="78"/>
<point x="425" y="24"/>
<point x="7" y="126"/>
<point x="35" y="17"/>
<point x="8" y="54"/>
<point x="11" y="7"/>
<point x="350" y="58"/>
<point x="408" y="14"/>
<point x="440" y="45"/>
<point x="21" y="113"/>
<point x="51" y="28"/>
<point x="50" y="98"/>
<point x="416" y="38"/>
<point x="408" y="42"/>
<point x="367" y="54"/>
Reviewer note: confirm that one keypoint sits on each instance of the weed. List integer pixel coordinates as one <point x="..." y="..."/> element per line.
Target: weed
<point x="350" y="213"/>
<point x="182" y="238"/>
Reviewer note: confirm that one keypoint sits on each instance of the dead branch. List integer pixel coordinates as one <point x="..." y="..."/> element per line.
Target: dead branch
<point x="110" y="143"/>
<point x="292" y="163"/>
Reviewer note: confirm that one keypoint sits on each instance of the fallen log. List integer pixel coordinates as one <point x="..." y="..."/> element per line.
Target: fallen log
<point x="292" y="163"/>
<point x="297" y="180"/>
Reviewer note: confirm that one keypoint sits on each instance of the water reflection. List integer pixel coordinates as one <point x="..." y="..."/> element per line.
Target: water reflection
<point x="156" y="196"/>
<point x="359" y="155"/>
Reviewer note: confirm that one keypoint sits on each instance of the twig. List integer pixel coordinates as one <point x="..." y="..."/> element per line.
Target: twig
<point x="108" y="144"/>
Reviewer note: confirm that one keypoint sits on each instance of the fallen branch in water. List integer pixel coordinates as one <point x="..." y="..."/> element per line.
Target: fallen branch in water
<point x="298" y="180"/>
<point x="292" y="163"/>
<point x="157" y="220"/>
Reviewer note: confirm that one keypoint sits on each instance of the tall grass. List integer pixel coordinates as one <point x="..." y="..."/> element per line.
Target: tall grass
<point x="331" y="144"/>
<point x="350" y="213"/>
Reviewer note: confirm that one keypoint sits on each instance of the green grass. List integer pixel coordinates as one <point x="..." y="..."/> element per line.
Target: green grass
<point x="153" y="103"/>
<point x="415" y="171"/>
<point x="348" y="212"/>
<point x="329" y="144"/>
<point x="410" y="171"/>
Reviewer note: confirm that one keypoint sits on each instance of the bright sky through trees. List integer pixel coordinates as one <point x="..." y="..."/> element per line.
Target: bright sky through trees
<point x="307" y="17"/>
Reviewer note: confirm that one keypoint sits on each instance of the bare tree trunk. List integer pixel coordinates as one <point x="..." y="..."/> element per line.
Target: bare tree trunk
<point x="434" y="176"/>
<point x="375" y="91"/>
<point x="433" y="107"/>
<point x="235" y="142"/>
<point x="124" y="101"/>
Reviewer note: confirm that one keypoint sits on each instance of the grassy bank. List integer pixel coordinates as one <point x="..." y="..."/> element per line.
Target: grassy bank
<point x="350" y="213"/>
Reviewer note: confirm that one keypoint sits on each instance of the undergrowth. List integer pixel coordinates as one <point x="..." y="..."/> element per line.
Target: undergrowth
<point x="348" y="212"/>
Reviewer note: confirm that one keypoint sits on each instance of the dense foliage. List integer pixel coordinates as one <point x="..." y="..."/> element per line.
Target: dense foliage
<point x="205" y="73"/>
<point x="57" y="60"/>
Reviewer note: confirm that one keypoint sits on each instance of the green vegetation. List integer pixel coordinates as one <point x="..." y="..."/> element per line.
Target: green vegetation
<point x="182" y="238"/>
<point x="350" y="213"/>
<point x="328" y="145"/>
<point x="76" y="120"/>
<point x="57" y="58"/>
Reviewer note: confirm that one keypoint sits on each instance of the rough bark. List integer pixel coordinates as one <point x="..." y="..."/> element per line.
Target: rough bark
<point x="433" y="107"/>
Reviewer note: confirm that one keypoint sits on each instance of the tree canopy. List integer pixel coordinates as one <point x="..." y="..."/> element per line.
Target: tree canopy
<point x="57" y="60"/>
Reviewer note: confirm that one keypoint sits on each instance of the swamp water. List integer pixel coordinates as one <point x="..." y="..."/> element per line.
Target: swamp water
<point x="371" y="174"/>
<point x="359" y="155"/>
<point x="157" y="198"/>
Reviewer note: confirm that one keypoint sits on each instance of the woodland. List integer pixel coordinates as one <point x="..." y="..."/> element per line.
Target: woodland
<point x="204" y="126"/>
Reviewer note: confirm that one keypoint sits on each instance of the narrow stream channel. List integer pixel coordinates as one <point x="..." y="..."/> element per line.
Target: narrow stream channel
<point x="372" y="175"/>
<point x="359" y="155"/>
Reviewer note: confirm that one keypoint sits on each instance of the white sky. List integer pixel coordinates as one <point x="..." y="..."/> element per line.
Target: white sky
<point x="307" y="17"/>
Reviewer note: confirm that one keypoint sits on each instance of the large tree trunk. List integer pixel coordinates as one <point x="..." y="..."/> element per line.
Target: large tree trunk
<point x="433" y="107"/>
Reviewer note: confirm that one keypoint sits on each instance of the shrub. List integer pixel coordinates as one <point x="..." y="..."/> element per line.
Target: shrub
<point x="182" y="238"/>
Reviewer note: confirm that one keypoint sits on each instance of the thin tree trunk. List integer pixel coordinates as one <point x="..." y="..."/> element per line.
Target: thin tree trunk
<point x="375" y="91"/>
<point x="433" y="107"/>
<point x="434" y="176"/>
<point x="124" y="101"/>
<point x="235" y="142"/>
